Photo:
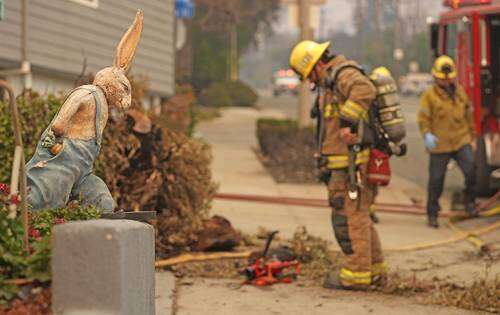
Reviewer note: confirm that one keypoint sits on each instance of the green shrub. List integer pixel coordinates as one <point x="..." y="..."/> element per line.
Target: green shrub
<point x="35" y="113"/>
<point x="15" y="262"/>
<point x="216" y="95"/>
<point x="229" y="94"/>
<point x="272" y="131"/>
<point x="287" y="150"/>
<point x="241" y="94"/>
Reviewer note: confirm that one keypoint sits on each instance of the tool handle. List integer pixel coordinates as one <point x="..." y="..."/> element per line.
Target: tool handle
<point x="353" y="184"/>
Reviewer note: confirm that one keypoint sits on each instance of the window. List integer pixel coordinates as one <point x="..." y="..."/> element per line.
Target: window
<point x="89" y="3"/>
<point x="451" y="40"/>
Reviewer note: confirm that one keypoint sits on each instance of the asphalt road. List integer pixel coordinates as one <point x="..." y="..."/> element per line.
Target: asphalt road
<point x="413" y="167"/>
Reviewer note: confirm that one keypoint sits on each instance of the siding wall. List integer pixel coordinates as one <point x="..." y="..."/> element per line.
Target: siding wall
<point x="60" y="31"/>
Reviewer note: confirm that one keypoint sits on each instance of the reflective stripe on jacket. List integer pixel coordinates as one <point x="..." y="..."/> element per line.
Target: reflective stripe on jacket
<point x="349" y="102"/>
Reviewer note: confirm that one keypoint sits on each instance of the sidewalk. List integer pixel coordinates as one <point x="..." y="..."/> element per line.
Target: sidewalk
<point x="237" y="170"/>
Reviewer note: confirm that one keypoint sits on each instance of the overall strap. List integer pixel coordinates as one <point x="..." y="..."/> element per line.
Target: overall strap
<point x="49" y="127"/>
<point x="98" y="114"/>
<point x="98" y="111"/>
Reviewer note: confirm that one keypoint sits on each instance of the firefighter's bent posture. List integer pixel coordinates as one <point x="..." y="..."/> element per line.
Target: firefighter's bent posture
<point x="346" y="95"/>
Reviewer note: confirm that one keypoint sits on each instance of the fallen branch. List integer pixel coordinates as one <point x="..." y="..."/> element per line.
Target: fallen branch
<point x="18" y="281"/>
<point x="186" y="258"/>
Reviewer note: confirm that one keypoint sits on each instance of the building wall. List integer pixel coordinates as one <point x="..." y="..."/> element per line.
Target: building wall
<point x="62" y="32"/>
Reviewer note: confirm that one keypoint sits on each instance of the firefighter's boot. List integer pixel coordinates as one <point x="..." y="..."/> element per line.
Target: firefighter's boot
<point x="470" y="207"/>
<point x="433" y="222"/>
<point x="379" y="274"/>
<point x="333" y="281"/>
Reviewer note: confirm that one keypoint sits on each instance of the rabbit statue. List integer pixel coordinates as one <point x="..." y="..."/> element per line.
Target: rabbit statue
<point x="61" y="168"/>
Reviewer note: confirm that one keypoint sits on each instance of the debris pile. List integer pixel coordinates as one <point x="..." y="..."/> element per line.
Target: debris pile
<point x="149" y="162"/>
<point x="482" y="295"/>
<point x="286" y="150"/>
<point x="32" y="301"/>
<point x="313" y="253"/>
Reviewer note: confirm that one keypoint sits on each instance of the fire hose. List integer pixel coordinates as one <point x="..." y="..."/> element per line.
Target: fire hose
<point x="18" y="178"/>
<point x="460" y="234"/>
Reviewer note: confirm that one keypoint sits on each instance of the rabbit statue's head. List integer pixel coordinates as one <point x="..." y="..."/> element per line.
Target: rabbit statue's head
<point x="113" y="80"/>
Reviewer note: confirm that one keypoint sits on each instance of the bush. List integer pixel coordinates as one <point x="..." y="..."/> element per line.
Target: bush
<point x="15" y="262"/>
<point x="162" y="170"/>
<point x="36" y="112"/>
<point x="241" y="94"/>
<point x="229" y="94"/>
<point x="287" y="150"/>
<point x="216" y="95"/>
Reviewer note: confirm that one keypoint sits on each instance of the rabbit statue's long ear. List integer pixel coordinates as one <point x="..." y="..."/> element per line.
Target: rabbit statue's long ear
<point x="126" y="48"/>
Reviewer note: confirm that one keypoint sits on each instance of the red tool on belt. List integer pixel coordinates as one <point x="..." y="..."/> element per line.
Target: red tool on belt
<point x="267" y="271"/>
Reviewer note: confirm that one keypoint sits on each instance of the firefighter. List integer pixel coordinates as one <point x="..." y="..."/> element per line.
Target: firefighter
<point x="344" y="99"/>
<point x="447" y="126"/>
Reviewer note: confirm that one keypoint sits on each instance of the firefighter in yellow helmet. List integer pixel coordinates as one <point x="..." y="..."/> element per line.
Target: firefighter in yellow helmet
<point x="446" y="123"/>
<point x="343" y="102"/>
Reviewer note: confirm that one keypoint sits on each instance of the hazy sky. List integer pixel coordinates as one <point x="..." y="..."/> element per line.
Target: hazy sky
<point x="339" y="13"/>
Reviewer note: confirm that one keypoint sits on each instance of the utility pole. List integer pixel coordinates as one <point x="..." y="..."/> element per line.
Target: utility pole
<point x="359" y="23"/>
<point x="398" y="52"/>
<point x="305" y="92"/>
<point x="233" y="53"/>
<point x="378" y="28"/>
<point x="25" y="64"/>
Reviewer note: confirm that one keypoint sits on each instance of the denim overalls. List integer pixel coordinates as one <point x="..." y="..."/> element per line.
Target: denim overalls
<point x="54" y="180"/>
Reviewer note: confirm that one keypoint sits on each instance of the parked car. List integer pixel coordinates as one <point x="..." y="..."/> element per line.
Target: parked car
<point x="415" y="83"/>
<point x="285" y="81"/>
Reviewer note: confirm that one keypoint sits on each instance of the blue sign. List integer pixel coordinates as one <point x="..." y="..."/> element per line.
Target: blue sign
<point x="184" y="9"/>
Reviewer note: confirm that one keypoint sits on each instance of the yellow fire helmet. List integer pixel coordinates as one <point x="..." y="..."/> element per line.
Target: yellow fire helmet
<point x="305" y="55"/>
<point x="444" y="68"/>
<point x="382" y="71"/>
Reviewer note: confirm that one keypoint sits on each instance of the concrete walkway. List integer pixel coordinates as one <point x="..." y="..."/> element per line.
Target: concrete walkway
<point x="237" y="170"/>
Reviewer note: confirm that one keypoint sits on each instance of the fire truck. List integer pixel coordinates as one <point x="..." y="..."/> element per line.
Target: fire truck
<point x="469" y="32"/>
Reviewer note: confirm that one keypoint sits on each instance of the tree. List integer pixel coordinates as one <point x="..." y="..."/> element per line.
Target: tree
<point x="223" y="29"/>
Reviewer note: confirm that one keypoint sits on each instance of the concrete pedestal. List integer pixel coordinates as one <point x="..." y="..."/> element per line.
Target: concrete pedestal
<point x="103" y="267"/>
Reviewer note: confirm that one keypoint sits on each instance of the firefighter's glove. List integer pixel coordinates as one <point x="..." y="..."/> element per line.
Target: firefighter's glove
<point x="430" y="141"/>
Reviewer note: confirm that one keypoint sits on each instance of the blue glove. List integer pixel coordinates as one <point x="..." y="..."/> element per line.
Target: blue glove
<point x="430" y="141"/>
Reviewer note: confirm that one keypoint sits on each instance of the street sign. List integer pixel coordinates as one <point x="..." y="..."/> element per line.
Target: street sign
<point x="184" y="9"/>
<point x="2" y="9"/>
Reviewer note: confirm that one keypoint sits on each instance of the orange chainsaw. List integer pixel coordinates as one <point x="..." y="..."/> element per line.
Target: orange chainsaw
<point x="266" y="270"/>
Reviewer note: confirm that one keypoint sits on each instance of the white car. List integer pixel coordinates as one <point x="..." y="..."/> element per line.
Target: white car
<point x="285" y="81"/>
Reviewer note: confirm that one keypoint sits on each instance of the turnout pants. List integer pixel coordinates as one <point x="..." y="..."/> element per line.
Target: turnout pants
<point x="354" y="230"/>
<point x="437" y="172"/>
